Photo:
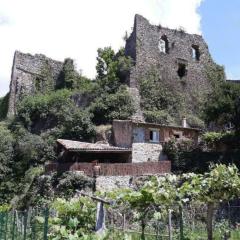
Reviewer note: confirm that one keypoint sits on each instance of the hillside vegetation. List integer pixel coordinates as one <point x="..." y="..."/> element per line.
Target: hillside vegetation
<point x="77" y="105"/>
<point x="28" y="140"/>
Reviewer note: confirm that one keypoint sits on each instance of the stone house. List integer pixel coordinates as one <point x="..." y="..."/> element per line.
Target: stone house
<point x="137" y="150"/>
<point x="146" y="139"/>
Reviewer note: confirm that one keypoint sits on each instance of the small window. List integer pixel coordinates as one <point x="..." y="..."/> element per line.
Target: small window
<point x="182" y="70"/>
<point x="163" y="44"/>
<point x="177" y="136"/>
<point x="154" y="136"/>
<point x="195" y="52"/>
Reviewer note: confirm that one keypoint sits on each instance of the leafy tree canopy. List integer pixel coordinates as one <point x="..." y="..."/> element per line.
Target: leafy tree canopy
<point x="223" y="106"/>
<point x="111" y="69"/>
<point x="6" y="150"/>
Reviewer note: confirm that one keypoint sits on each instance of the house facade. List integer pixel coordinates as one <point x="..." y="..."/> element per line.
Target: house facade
<point x="137" y="150"/>
<point x="146" y="139"/>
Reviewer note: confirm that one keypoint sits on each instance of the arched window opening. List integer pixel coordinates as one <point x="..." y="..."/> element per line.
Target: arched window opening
<point x="163" y="44"/>
<point x="195" y="52"/>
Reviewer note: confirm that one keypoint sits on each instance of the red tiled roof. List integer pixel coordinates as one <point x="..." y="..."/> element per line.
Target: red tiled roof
<point x="90" y="147"/>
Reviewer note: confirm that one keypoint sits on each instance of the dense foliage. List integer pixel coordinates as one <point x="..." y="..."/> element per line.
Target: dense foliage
<point x="4" y="106"/>
<point x="189" y="157"/>
<point x="112" y="106"/>
<point x="155" y="197"/>
<point x="164" y="105"/>
<point x="56" y="112"/>
<point x="223" y="106"/>
<point x="112" y="69"/>
<point x="75" y="218"/>
<point x="112" y="101"/>
<point x="68" y="107"/>
<point x="6" y="151"/>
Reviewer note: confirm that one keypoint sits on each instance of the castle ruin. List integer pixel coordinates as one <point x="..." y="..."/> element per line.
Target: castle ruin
<point x="27" y="76"/>
<point x="180" y="60"/>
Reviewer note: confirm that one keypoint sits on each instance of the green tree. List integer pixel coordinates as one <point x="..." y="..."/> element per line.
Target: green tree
<point x="56" y="113"/>
<point x="221" y="184"/>
<point x="159" y="100"/>
<point x="112" y="69"/>
<point x="112" y="106"/>
<point x="143" y="202"/>
<point x="222" y="106"/>
<point x="6" y="151"/>
<point x="69" y="73"/>
<point x="4" y="106"/>
<point x="75" y="220"/>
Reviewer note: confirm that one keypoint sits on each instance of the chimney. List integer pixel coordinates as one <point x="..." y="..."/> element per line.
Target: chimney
<point x="184" y="122"/>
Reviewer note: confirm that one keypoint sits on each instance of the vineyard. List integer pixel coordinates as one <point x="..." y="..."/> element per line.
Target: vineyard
<point x="189" y="206"/>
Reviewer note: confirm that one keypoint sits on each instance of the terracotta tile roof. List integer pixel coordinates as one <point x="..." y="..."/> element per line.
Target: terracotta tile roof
<point x="90" y="147"/>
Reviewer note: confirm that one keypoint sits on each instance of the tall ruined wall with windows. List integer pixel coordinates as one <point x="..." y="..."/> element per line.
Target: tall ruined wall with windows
<point x="30" y="74"/>
<point x="179" y="60"/>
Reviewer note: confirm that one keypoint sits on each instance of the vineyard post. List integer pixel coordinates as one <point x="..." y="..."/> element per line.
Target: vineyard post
<point x="170" y="224"/>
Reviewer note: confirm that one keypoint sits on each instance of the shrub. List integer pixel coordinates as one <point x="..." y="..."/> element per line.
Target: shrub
<point x="69" y="182"/>
<point x="112" y="106"/>
<point x="195" y="122"/>
<point x="159" y="96"/>
<point x="76" y="218"/>
<point x="160" y="117"/>
<point x="57" y="113"/>
<point x="6" y="151"/>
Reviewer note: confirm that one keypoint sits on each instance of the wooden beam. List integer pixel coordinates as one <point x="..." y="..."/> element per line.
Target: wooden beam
<point x="98" y="199"/>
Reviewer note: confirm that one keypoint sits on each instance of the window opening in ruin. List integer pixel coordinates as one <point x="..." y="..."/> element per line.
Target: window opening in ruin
<point x="154" y="136"/>
<point x="38" y="84"/>
<point x="182" y="70"/>
<point x="195" y="52"/>
<point x="163" y="44"/>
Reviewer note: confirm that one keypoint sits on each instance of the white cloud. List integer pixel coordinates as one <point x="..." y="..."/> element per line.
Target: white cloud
<point x="76" y="28"/>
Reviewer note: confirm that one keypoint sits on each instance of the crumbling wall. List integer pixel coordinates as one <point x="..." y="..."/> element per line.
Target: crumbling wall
<point x="144" y="47"/>
<point x="25" y="70"/>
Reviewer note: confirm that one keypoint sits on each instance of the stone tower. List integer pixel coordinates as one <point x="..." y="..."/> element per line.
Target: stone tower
<point x="179" y="58"/>
<point x="26" y="70"/>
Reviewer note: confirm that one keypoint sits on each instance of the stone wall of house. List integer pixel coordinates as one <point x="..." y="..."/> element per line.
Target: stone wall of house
<point x="143" y="47"/>
<point x="147" y="152"/>
<point x="26" y="68"/>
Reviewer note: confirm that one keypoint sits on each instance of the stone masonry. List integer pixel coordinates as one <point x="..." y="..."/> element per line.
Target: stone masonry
<point x="179" y="58"/>
<point x="25" y="70"/>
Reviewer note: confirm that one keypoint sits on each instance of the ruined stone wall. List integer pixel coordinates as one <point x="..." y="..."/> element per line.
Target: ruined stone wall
<point x="143" y="47"/>
<point x="26" y="68"/>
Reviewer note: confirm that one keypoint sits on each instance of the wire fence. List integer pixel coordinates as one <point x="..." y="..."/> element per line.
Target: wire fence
<point x="35" y="224"/>
<point x="22" y="225"/>
<point x="189" y="222"/>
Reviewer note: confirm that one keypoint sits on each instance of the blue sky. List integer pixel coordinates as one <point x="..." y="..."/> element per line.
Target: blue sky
<point x="77" y="28"/>
<point x="220" y="25"/>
